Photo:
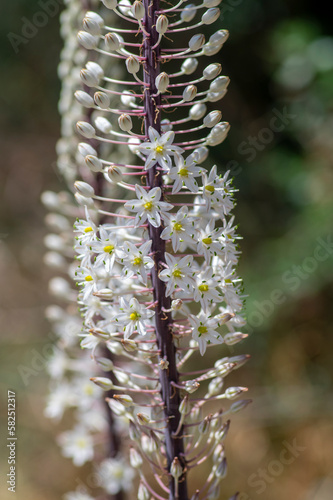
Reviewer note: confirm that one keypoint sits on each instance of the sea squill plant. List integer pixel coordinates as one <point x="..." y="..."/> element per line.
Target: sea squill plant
<point x="156" y="269"/>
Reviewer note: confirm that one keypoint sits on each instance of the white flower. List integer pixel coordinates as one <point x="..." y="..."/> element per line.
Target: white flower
<point x="213" y="187"/>
<point x="183" y="174"/>
<point x="58" y="400"/>
<point x="208" y="243"/>
<point x="179" y="228"/>
<point x="204" y="331"/>
<point x="136" y="261"/>
<point x="77" y="495"/>
<point x="116" y="475"/>
<point x="77" y="445"/>
<point x="205" y="289"/>
<point x="159" y="149"/>
<point x="86" y="229"/>
<point x="106" y="248"/>
<point x="133" y="317"/>
<point x="87" y="279"/>
<point x="179" y="273"/>
<point x="148" y="206"/>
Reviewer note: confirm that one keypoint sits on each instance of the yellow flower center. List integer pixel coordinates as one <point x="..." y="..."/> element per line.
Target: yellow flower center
<point x="137" y="261"/>
<point x="207" y="241"/>
<point x="228" y="281"/>
<point x="178" y="226"/>
<point x="210" y="189"/>
<point x="177" y="273"/>
<point x="108" y="248"/>
<point x="203" y="288"/>
<point x="134" y="316"/>
<point x="81" y="443"/>
<point x="88" y="229"/>
<point x="183" y="172"/>
<point x="159" y="149"/>
<point x="89" y="278"/>
<point x="202" y="329"/>
<point x="88" y="390"/>
<point x="148" y="205"/>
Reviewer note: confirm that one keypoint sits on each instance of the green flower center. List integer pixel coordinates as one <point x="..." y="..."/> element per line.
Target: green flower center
<point x="203" y="288"/>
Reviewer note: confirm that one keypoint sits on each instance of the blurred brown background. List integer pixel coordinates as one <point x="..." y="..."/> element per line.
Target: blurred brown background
<point x="280" y="106"/>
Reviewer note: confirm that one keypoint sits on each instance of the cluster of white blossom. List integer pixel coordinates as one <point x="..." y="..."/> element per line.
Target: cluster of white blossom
<point x="156" y="248"/>
<point x="91" y="436"/>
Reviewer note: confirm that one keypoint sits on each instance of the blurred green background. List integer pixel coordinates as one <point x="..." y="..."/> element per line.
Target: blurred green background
<point x="280" y="151"/>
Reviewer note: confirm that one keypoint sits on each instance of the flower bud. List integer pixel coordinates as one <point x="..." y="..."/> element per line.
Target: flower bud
<point x="162" y="82"/>
<point x="189" y="65"/>
<point x="100" y="334"/>
<point x="138" y="10"/>
<point x="134" y="433"/>
<point x="176" y="304"/>
<point x="125" y="122"/>
<point x="135" y="459"/>
<point x="188" y="13"/>
<point x="176" y="469"/>
<point x="116" y="407"/>
<point x="239" y="360"/>
<point x="143" y="418"/>
<point x="83" y="201"/>
<point x="210" y="16"/>
<point x="184" y="406"/>
<point x="219" y="38"/>
<point x="212" y="71"/>
<point x="104" y="383"/>
<point x="84" y="99"/>
<point x="234" y="392"/>
<point x="127" y="99"/>
<point x="215" y="96"/>
<point x="212" y="119"/>
<point x="143" y="493"/>
<point x="105" y="364"/>
<point x="124" y="399"/>
<point x="196" y="42"/>
<point x="85" y="129"/>
<point x="129" y="345"/>
<point x="219" y="84"/>
<point x="91" y="25"/>
<point x="132" y="65"/>
<point x="218" y="133"/>
<point x="102" y="100"/>
<point x="189" y="93"/>
<point x="162" y="24"/>
<point x="89" y="78"/>
<point x="211" y="3"/>
<point x="191" y="386"/>
<point x="215" y="386"/>
<point x="125" y="7"/>
<point x="85" y="149"/>
<point x="104" y="294"/>
<point x="84" y="189"/>
<point x="103" y="124"/>
<point x="222" y="432"/>
<point x="88" y="41"/>
<point x="218" y="454"/>
<point x="114" y="174"/>
<point x="112" y="41"/>
<point x="201" y="154"/>
<point x="234" y="338"/>
<point x="198" y="111"/>
<point x="211" y="49"/>
<point x="213" y="493"/>
<point x="205" y="425"/>
<point x="166" y="125"/>
<point x="110" y="4"/>
<point x="221" y="469"/>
